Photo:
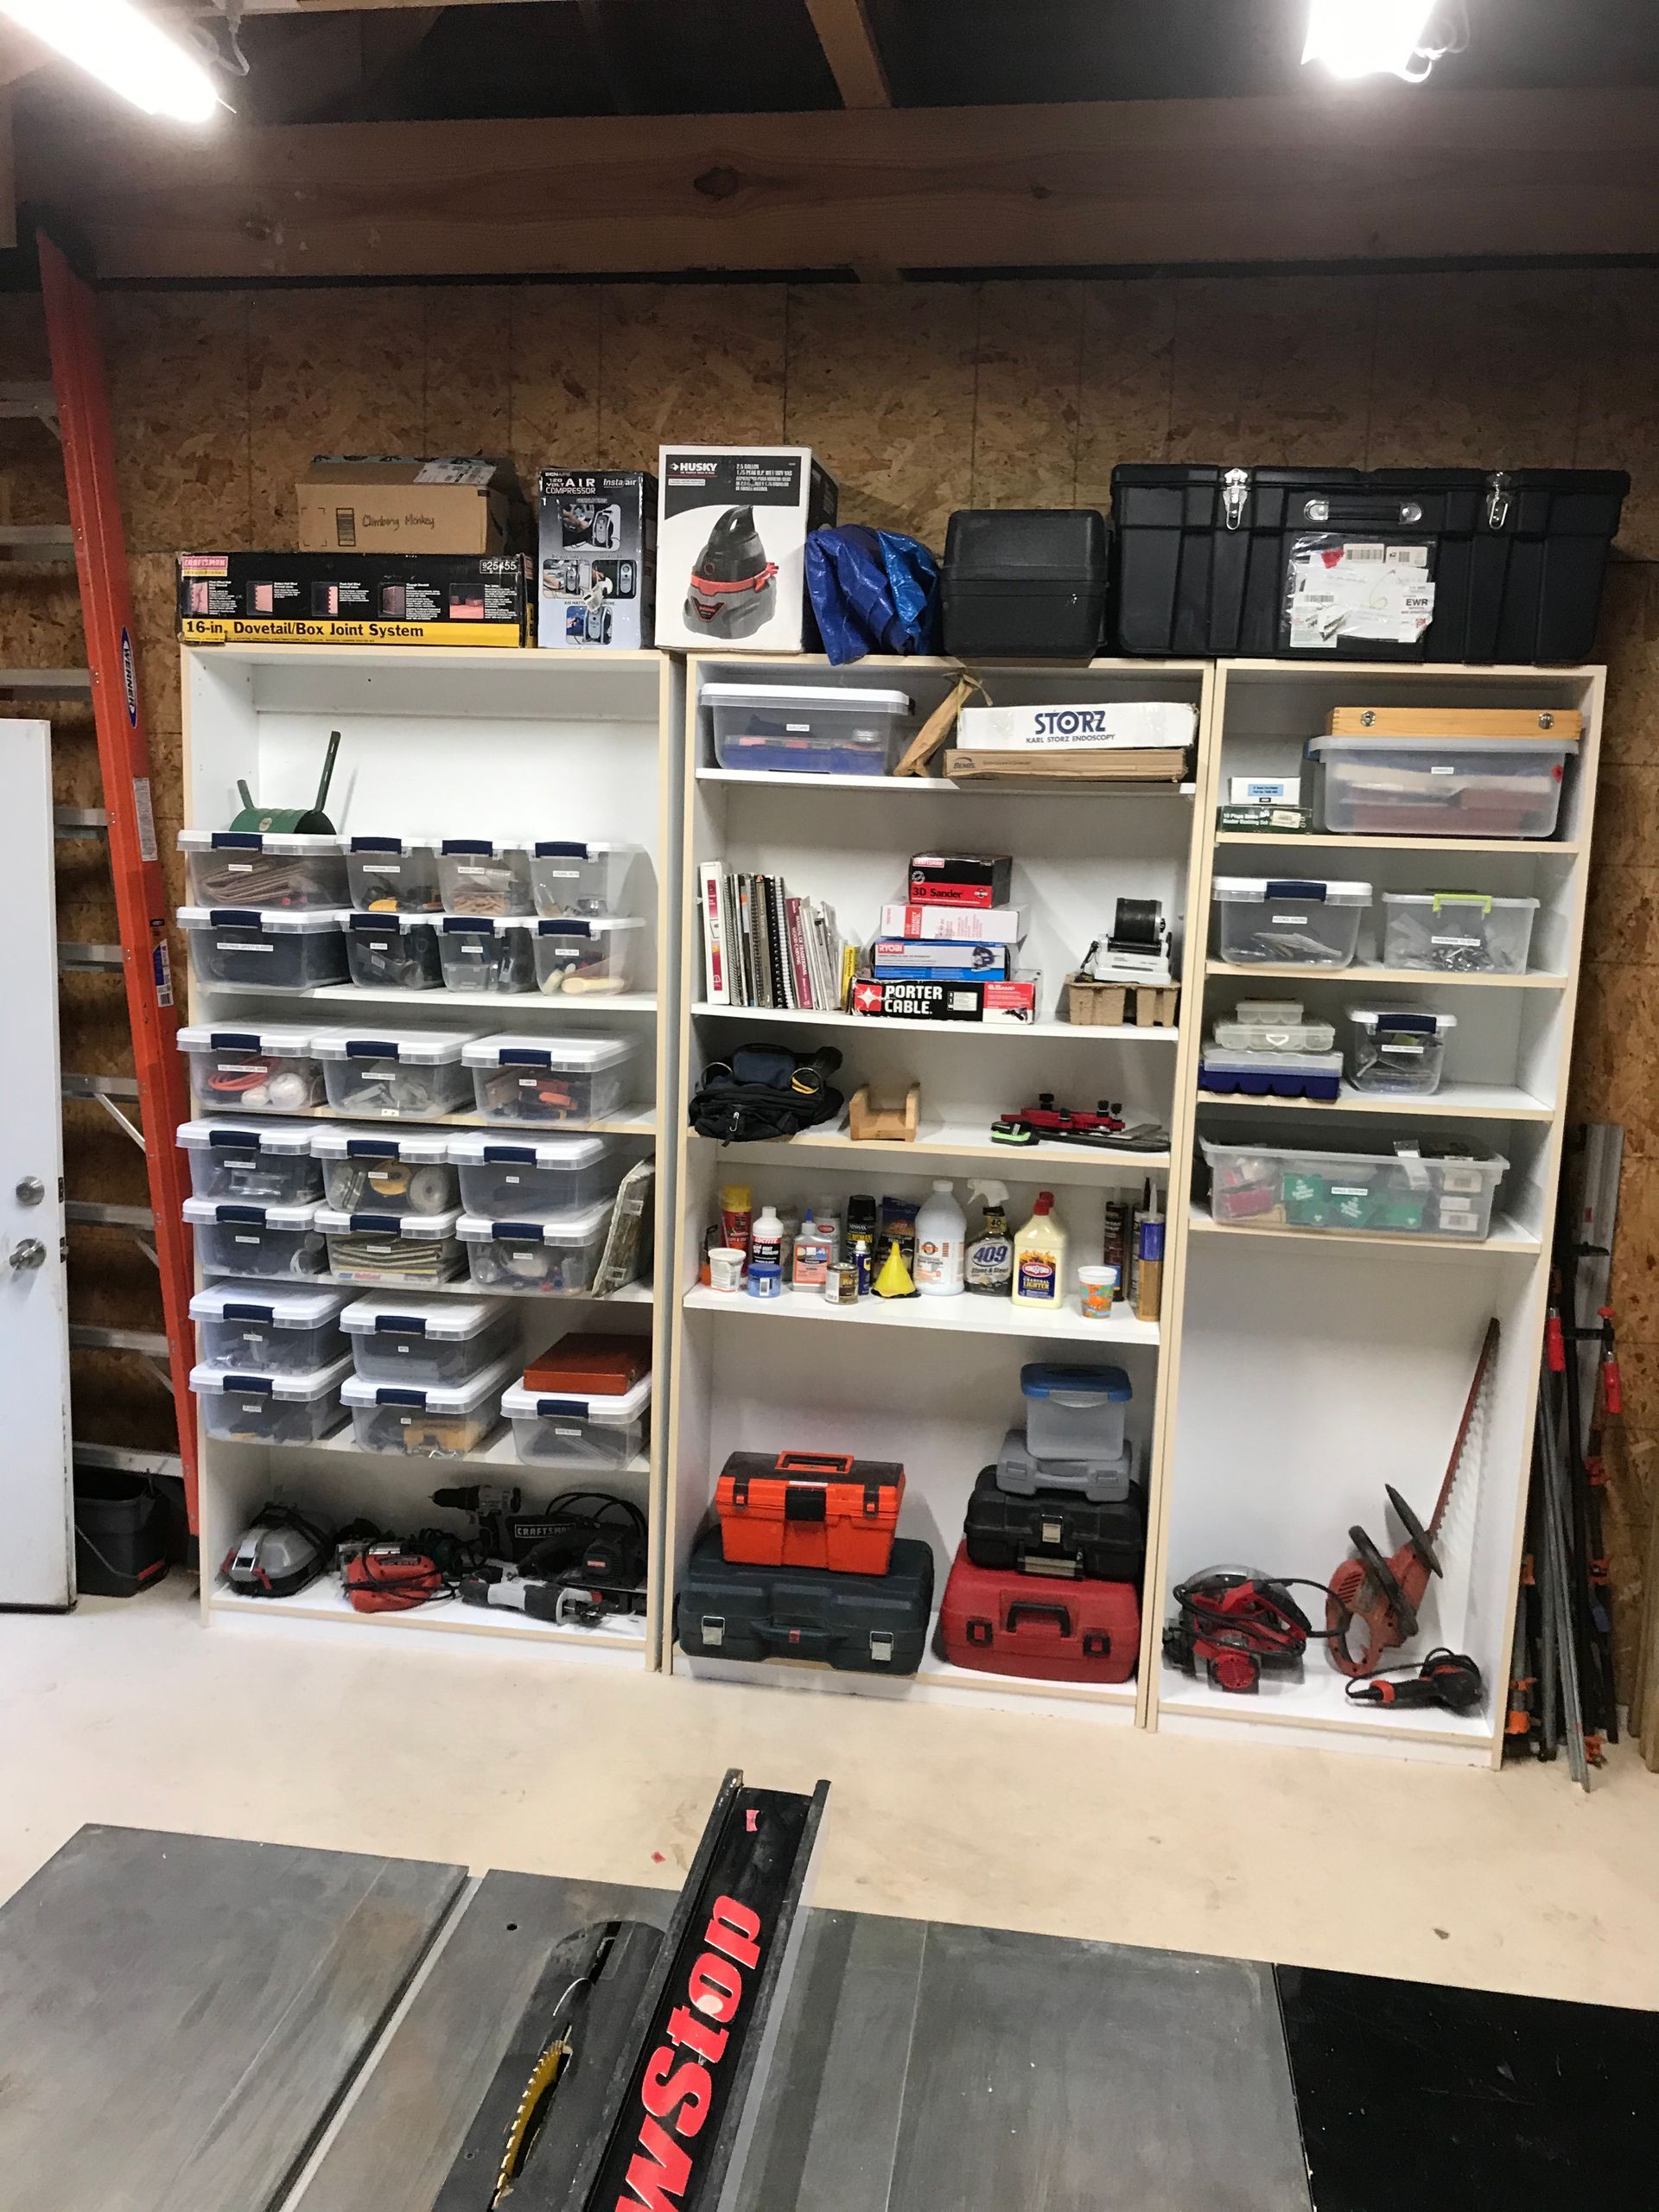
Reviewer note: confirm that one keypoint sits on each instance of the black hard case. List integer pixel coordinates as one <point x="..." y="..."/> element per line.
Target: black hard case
<point x="1023" y="581"/>
<point x="804" y="1612"/>
<point x="1056" y="1532"/>
<point x="1200" y="556"/>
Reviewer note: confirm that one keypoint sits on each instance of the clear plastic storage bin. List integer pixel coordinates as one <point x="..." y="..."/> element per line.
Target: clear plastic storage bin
<point x="557" y="1255"/>
<point x="581" y="880"/>
<point x="264" y="949"/>
<point x="393" y="952"/>
<point x="583" y="959"/>
<point x="480" y="875"/>
<point x="1433" y="787"/>
<point x="440" y="1422"/>
<point x="518" y="1078"/>
<point x="1429" y="1192"/>
<point x="268" y="1328"/>
<point x="292" y="869"/>
<point x="266" y="1163"/>
<point x="480" y="955"/>
<point x="394" y="875"/>
<point x="1289" y="921"/>
<point x="1457" y="933"/>
<point x="253" y="1070"/>
<point x="387" y="1171"/>
<point x="393" y="1075"/>
<point x="1272" y="1026"/>
<point x="395" y="1338"/>
<point x="1398" y="1051"/>
<point x="404" y="1248"/>
<point x="241" y="1408"/>
<point x="1315" y="1076"/>
<point x="811" y="729"/>
<point x="541" y="1175"/>
<point x="578" y="1431"/>
<point x="233" y="1239"/>
<point x="1074" y="1413"/>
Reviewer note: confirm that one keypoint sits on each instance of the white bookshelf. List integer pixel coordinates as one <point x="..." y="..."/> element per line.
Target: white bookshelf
<point x="457" y="741"/>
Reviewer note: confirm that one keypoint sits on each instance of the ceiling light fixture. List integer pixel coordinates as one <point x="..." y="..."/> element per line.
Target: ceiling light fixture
<point x="1371" y="38"/>
<point x="114" y="42"/>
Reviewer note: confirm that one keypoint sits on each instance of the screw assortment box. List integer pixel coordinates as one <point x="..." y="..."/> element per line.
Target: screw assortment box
<point x="268" y="1328"/>
<point x="1459" y="932"/>
<point x="596" y="558"/>
<point x="282" y="1408"/>
<point x="352" y="599"/>
<point x="863" y="1624"/>
<point x="394" y="1338"/>
<point x="733" y="523"/>
<point x="264" y="1163"/>
<point x="1003" y="1621"/>
<point x="1316" y="1076"/>
<point x="809" y="1509"/>
<point x="264" y="949"/>
<point x="1290" y="921"/>
<point x="290" y="869"/>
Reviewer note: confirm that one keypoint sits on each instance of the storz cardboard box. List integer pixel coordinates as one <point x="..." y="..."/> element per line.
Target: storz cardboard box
<point x="363" y="599"/>
<point x="731" y="534"/>
<point x="397" y="502"/>
<point x="596" y="567"/>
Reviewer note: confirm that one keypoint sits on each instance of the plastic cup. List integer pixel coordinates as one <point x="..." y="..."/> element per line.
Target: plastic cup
<point x="726" y="1267"/>
<point x="1097" y="1291"/>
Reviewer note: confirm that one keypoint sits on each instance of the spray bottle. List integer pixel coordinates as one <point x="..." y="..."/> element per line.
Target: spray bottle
<point x="988" y="1267"/>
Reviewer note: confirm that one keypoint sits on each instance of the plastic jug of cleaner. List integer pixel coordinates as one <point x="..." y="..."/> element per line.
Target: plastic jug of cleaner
<point x="767" y="1238"/>
<point x="988" y="1267"/>
<point x="1040" y="1258"/>
<point x="941" y="1234"/>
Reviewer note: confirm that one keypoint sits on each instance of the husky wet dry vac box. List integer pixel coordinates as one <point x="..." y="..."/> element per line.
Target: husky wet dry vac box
<point x="353" y="599"/>
<point x="731" y="538"/>
<point x="595" y="567"/>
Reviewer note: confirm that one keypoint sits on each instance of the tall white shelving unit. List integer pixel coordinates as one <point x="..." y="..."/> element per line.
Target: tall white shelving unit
<point x="457" y="741"/>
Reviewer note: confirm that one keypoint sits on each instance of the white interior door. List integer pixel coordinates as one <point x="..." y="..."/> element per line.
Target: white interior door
<point x="36" y="1486"/>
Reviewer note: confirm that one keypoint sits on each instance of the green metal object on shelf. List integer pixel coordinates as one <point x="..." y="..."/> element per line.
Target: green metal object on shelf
<point x="304" y="820"/>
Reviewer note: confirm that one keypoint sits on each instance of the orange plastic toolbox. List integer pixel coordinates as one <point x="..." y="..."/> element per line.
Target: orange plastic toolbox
<point x="809" y="1509"/>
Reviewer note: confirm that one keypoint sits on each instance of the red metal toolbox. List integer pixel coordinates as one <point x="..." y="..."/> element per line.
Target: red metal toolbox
<point x="997" y="1619"/>
<point x="809" y="1509"/>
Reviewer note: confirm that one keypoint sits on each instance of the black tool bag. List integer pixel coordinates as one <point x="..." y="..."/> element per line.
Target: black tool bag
<point x="861" y="1623"/>
<point x="766" y="1090"/>
<point x="1056" y="1532"/>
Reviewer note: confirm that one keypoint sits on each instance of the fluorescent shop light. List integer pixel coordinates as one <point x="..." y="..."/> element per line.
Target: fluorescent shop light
<point x="1368" y="38"/>
<point x="114" y="42"/>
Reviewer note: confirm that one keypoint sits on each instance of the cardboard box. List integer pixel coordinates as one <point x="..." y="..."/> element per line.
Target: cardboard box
<point x="364" y="599"/>
<point x="933" y="960"/>
<point x="1123" y="725"/>
<point x="986" y="924"/>
<point x="397" y="502"/>
<point x="731" y="535"/>
<point x="1013" y="1000"/>
<point x="960" y="880"/>
<point x="596" y="565"/>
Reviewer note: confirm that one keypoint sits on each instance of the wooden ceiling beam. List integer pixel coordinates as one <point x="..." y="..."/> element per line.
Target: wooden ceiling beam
<point x="1376" y="172"/>
<point x="849" y="48"/>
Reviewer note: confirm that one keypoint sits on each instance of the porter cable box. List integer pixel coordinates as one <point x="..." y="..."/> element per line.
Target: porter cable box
<point x="1131" y="724"/>
<point x="352" y="599"/>
<point x="732" y="530"/>
<point x="397" y="502"/>
<point x="1010" y="1000"/>
<point x="960" y="879"/>
<point x="598" y="544"/>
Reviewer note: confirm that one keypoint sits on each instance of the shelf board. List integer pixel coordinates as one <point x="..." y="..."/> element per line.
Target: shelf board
<point x="507" y="1004"/>
<point x="1368" y="972"/>
<point x="640" y="1124"/>
<point x="263" y="653"/>
<point x="875" y="1025"/>
<point x="942" y="1141"/>
<point x="1507" y="1235"/>
<point x="325" y="1601"/>
<point x="1475" y="1101"/>
<point x="495" y="1455"/>
<point x="1292" y="839"/>
<point x="963" y="1316"/>
<point x="1318" y="1701"/>
<point x="1113" y="1700"/>
<point x="1024" y="787"/>
<point x="634" y="1293"/>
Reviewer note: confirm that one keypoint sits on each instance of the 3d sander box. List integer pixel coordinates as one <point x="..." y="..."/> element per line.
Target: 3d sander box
<point x="731" y="535"/>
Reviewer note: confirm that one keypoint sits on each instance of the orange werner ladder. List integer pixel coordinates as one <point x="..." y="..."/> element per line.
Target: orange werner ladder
<point x="76" y="408"/>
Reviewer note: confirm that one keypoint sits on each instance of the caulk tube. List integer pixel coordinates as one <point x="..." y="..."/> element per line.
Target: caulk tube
<point x="1150" y="1280"/>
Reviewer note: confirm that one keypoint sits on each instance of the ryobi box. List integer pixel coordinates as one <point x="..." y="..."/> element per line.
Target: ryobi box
<point x="352" y="599"/>
<point x="733" y="523"/>
<point x="597" y="558"/>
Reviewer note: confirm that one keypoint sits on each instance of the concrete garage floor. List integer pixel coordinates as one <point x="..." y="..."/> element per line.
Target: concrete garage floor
<point x="131" y="1713"/>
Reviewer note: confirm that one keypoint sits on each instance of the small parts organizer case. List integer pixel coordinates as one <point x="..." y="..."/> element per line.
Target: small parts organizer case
<point x="1055" y="1533"/>
<point x="862" y="1623"/>
<point x="1005" y="1622"/>
<point x="809" y="1509"/>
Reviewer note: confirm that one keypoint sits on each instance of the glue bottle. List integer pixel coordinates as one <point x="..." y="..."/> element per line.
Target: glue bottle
<point x="1040" y="1258"/>
<point x="941" y="1233"/>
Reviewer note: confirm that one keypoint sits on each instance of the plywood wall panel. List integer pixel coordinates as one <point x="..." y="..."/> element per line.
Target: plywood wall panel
<point x="555" y="338"/>
<point x="467" y="360"/>
<point x="1478" y="369"/>
<point x="1618" y="418"/>
<point x="1129" y="358"/>
<point x="178" y="385"/>
<point x="700" y="362"/>
<point x="1272" y="369"/>
<point x="1028" y="395"/>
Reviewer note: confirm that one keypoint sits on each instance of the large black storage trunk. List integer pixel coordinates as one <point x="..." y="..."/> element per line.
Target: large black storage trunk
<point x="1056" y="1532"/>
<point x="862" y="1623"/>
<point x="1024" y="582"/>
<point x="1202" y="557"/>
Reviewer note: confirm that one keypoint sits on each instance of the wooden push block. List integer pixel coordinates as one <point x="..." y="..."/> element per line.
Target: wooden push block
<point x="1114" y="1006"/>
<point x="884" y="1117"/>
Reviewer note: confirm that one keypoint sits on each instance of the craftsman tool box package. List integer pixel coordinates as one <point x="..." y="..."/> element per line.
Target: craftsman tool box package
<point x="858" y="1623"/>
<point x="353" y="599"/>
<point x="1060" y="1534"/>
<point x="809" y="1509"/>
<point x="398" y="502"/>
<point x="1025" y="583"/>
<point x="731" y="526"/>
<point x="1429" y="564"/>
<point x="596" y="558"/>
<point x="1003" y="1622"/>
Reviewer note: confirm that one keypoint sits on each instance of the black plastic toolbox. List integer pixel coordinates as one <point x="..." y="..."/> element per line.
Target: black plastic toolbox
<point x="1204" y="559"/>
<point x="1024" y="583"/>
<point x="1056" y="1532"/>
<point x="861" y="1623"/>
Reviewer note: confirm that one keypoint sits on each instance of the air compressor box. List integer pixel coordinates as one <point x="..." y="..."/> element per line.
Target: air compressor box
<point x="596" y="560"/>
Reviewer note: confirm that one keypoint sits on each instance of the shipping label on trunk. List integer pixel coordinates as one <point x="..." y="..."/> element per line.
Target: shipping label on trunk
<point x="597" y="558"/>
<point x="368" y="599"/>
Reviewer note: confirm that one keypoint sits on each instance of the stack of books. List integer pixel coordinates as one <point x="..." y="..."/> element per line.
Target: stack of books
<point x="763" y="946"/>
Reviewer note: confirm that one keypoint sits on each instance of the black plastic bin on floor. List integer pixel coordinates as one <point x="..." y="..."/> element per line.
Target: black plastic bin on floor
<point x="1202" y="557"/>
<point x="121" y="1529"/>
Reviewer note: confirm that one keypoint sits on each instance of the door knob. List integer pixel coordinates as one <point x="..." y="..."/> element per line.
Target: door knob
<point x="31" y="1191"/>
<point x="29" y="1253"/>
